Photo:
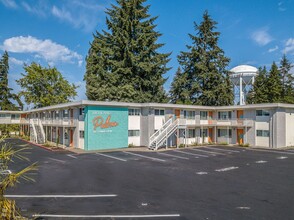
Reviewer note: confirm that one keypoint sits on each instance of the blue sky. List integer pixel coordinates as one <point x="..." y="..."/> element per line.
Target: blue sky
<point x="58" y="32"/>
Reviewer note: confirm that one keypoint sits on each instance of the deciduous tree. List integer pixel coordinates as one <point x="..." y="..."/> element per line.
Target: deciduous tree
<point x="43" y="86"/>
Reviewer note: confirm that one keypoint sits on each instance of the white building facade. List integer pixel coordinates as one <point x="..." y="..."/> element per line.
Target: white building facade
<point x="92" y="125"/>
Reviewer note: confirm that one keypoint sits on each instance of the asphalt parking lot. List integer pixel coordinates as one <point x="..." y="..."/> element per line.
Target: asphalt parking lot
<point x="211" y="182"/>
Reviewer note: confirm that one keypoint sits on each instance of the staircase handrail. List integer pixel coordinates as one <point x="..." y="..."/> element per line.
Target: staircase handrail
<point x="42" y="129"/>
<point x="159" y="131"/>
<point x="34" y="130"/>
<point x="167" y="133"/>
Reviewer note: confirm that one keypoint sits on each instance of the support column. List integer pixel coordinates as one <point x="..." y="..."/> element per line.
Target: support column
<point x="228" y="137"/>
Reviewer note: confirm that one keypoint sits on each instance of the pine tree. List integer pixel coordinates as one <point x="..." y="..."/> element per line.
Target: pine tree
<point x="287" y="81"/>
<point x="178" y="91"/>
<point x="5" y="94"/>
<point x="259" y="91"/>
<point x="274" y="84"/>
<point x="124" y="64"/>
<point x="205" y="66"/>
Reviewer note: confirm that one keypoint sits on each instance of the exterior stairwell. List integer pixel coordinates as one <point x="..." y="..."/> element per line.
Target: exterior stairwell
<point x="160" y="137"/>
<point x="37" y="131"/>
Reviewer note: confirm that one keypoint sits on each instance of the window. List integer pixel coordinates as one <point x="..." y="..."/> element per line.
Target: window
<point x="189" y="114"/>
<point x="65" y="113"/>
<point x="82" y="111"/>
<point x="224" y="115"/>
<point x="14" y="116"/>
<point x="203" y="133"/>
<point x="203" y="115"/>
<point x="262" y="133"/>
<point x="134" y="133"/>
<point x="159" y="111"/>
<point x="56" y="114"/>
<point x="191" y="133"/>
<point x="224" y="133"/>
<point x="262" y="113"/>
<point x="82" y="134"/>
<point x="134" y="111"/>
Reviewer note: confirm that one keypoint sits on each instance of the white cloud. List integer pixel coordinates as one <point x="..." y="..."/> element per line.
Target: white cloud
<point x="261" y="37"/>
<point x="281" y="6"/>
<point x="273" y="49"/>
<point x="15" y="61"/>
<point x="9" y="3"/>
<point x="46" y="49"/>
<point x="81" y="15"/>
<point x="38" y="9"/>
<point x="289" y="46"/>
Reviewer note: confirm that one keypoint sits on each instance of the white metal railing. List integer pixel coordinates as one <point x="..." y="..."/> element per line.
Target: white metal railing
<point x="63" y="122"/>
<point x="32" y="123"/>
<point x="164" y="126"/>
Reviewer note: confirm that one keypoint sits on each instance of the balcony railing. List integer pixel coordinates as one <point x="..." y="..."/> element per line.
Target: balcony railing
<point x="218" y="122"/>
<point x="63" y="122"/>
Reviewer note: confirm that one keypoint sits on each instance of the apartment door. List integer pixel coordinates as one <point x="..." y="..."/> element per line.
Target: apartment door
<point x="210" y="135"/>
<point x="210" y="115"/>
<point x="178" y="113"/>
<point x="240" y="136"/>
<point x="240" y="114"/>
<point x="71" y="137"/>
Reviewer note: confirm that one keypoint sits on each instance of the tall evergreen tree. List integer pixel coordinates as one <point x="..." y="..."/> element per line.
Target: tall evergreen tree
<point x="178" y="92"/>
<point x="287" y="80"/>
<point x="6" y="93"/>
<point x="274" y="84"/>
<point x="259" y="91"/>
<point x="205" y="66"/>
<point x="124" y="64"/>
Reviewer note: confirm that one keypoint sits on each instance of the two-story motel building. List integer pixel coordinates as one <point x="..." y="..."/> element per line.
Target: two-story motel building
<point x="92" y="125"/>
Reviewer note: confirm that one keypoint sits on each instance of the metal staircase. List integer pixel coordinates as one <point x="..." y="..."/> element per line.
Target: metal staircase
<point x="37" y="131"/>
<point x="160" y="137"/>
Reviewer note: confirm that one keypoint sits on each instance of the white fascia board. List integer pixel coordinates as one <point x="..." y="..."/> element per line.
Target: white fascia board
<point x="10" y="112"/>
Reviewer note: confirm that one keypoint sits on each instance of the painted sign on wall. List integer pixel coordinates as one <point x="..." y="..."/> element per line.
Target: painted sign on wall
<point x="106" y="127"/>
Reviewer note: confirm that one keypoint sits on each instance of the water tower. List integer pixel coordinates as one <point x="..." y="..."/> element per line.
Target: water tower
<point x="242" y="77"/>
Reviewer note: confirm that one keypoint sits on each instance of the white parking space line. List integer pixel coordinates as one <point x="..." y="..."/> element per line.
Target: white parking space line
<point x="226" y="169"/>
<point x="60" y="161"/>
<point x="61" y="196"/>
<point x="72" y="156"/>
<point x="209" y="152"/>
<point x="243" y="207"/>
<point x="112" y="157"/>
<point x="201" y="173"/>
<point x="273" y="151"/>
<point x="188" y="153"/>
<point x="140" y="155"/>
<point x="220" y="149"/>
<point x="170" y="155"/>
<point x="261" y="161"/>
<point x="108" y="216"/>
<point x="282" y="158"/>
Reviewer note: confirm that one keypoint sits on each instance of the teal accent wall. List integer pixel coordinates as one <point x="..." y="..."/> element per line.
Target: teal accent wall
<point x="101" y="135"/>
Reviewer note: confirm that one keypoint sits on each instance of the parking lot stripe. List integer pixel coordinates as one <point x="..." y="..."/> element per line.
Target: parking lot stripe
<point x="185" y="158"/>
<point x="72" y="156"/>
<point x="209" y="152"/>
<point x="116" y="158"/>
<point x="226" y="150"/>
<point x="188" y="153"/>
<point x="107" y="216"/>
<point x="140" y="155"/>
<point x="226" y="169"/>
<point x="60" y="161"/>
<point x="272" y="151"/>
<point x="61" y="196"/>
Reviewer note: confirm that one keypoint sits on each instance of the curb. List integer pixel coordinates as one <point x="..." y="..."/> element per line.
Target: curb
<point x="45" y="148"/>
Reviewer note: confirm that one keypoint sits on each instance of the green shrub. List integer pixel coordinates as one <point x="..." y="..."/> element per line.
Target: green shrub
<point x="131" y="145"/>
<point x="181" y="145"/>
<point x="223" y="143"/>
